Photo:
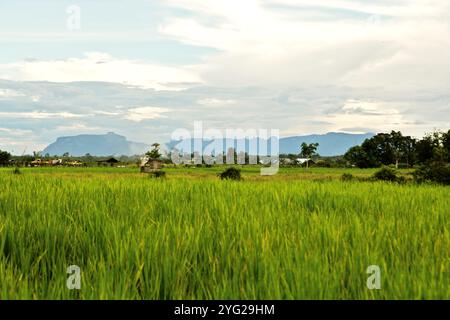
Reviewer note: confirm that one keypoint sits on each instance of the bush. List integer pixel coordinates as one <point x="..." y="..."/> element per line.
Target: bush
<point x="386" y="174"/>
<point x="347" y="177"/>
<point x="436" y="172"/>
<point x="16" y="171"/>
<point x="158" y="174"/>
<point x="231" y="174"/>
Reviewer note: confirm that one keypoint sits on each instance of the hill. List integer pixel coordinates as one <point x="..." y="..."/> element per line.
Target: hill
<point x="96" y="145"/>
<point x="330" y="144"/>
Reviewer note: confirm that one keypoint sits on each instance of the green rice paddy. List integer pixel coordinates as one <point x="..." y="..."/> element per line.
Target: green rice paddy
<point x="298" y="235"/>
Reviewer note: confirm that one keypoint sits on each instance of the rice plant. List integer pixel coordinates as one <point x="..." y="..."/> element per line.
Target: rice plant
<point x="202" y="238"/>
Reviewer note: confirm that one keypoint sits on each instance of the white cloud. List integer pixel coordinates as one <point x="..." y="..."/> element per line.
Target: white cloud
<point x="145" y="113"/>
<point x="6" y="94"/>
<point x="35" y="98"/>
<point x="97" y="66"/>
<point x="15" y="132"/>
<point x="41" y="115"/>
<point x="375" y="116"/>
<point x="77" y="127"/>
<point x="215" y="102"/>
<point x="263" y="45"/>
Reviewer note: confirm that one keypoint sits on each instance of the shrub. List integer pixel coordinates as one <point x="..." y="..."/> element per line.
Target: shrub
<point x="386" y="174"/>
<point x="347" y="177"/>
<point x="231" y="174"/>
<point x="436" y="172"/>
<point x="16" y="171"/>
<point x="158" y="174"/>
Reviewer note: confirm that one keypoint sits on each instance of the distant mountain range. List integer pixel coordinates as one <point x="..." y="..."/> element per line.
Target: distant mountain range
<point x="96" y="145"/>
<point x="330" y="144"/>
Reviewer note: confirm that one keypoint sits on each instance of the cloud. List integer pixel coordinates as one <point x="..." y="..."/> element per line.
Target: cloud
<point x="6" y="94"/>
<point x="41" y="115"/>
<point x="378" y="43"/>
<point x="15" y="132"/>
<point x="300" y="66"/>
<point x="95" y="66"/>
<point x="145" y="113"/>
<point x="149" y="116"/>
<point x="214" y="102"/>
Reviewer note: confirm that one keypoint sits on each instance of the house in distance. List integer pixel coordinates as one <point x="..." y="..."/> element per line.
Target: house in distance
<point x="108" y="162"/>
<point x="150" y="165"/>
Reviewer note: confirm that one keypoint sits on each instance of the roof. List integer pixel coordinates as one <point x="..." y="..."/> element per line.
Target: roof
<point x="302" y="160"/>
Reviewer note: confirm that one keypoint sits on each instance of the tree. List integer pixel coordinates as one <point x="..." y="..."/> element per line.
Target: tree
<point x="4" y="157"/>
<point x="308" y="151"/>
<point x="424" y="149"/>
<point x="358" y="157"/>
<point x="37" y="154"/>
<point x="383" y="149"/>
<point x="154" y="153"/>
<point x="434" y="147"/>
<point x="402" y="147"/>
<point x="446" y="145"/>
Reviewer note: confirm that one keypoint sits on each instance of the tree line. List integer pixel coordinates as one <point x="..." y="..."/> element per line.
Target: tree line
<point x="396" y="149"/>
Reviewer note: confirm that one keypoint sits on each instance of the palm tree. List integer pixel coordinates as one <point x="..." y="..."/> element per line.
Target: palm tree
<point x="308" y="150"/>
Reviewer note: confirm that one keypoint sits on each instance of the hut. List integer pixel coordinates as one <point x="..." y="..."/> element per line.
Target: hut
<point x="111" y="162"/>
<point x="149" y="165"/>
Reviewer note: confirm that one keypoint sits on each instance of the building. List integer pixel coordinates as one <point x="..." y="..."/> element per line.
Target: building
<point x="149" y="165"/>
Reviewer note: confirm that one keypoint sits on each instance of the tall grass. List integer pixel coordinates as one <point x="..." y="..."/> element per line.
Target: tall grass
<point x="140" y="238"/>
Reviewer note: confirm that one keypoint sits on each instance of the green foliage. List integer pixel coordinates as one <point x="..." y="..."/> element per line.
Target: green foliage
<point x="231" y="174"/>
<point x="158" y="174"/>
<point x="16" y="170"/>
<point x="436" y="172"/>
<point x="4" y="157"/>
<point x="386" y="174"/>
<point x="446" y="145"/>
<point x="308" y="150"/>
<point x="138" y="238"/>
<point x="357" y="156"/>
<point x="154" y="153"/>
<point x="383" y="149"/>
<point x="347" y="177"/>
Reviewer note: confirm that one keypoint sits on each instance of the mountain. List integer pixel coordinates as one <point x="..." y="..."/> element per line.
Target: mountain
<point x="330" y="144"/>
<point x="95" y="145"/>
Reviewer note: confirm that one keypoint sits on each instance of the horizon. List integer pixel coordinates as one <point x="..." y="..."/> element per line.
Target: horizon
<point x="165" y="143"/>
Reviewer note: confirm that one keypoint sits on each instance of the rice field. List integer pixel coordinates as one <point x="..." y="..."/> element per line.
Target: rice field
<point x="298" y="235"/>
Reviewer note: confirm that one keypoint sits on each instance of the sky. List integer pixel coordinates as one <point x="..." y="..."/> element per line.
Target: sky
<point x="143" y="69"/>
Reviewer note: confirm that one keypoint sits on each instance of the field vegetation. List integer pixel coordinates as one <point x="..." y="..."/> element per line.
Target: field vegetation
<point x="302" y="234"/>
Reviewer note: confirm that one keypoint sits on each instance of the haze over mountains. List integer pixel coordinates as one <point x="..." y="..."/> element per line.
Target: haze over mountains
<point x="330" y="144"/>
<point x="95" y="145"/>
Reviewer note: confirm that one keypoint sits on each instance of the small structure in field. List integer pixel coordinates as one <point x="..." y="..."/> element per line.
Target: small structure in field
<point x="74" y="163"/>
<point x="111" y="162"/>
<point x="46" y="163"/>
<point x="151" y="162"/>
<point x="150" y="165"/>
<point x="302" y="161"/>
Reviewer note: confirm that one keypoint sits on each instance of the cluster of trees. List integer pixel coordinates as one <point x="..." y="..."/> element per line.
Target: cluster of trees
<point x="395" y="148"/>
<point x="4" y="157"/>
